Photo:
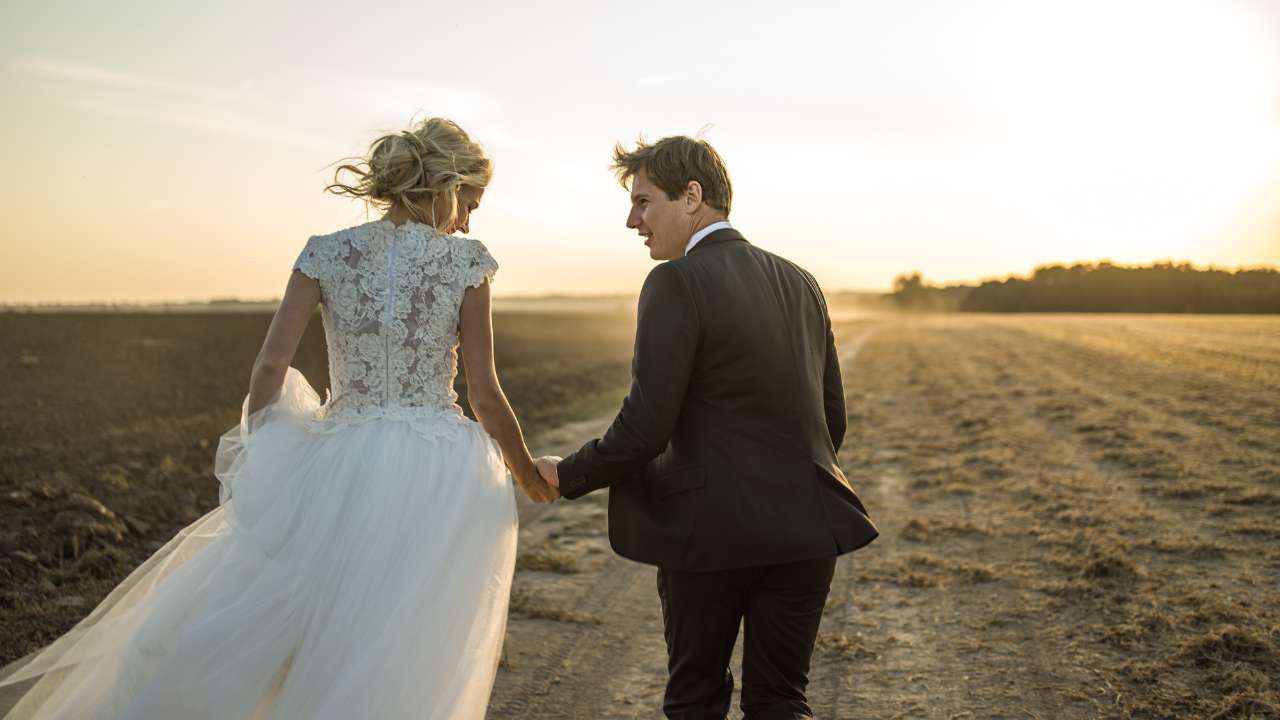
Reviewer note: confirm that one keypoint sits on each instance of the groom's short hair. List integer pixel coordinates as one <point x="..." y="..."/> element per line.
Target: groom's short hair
<point x="672" y="162"/>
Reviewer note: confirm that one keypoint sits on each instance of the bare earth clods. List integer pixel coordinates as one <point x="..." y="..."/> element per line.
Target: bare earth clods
<point x="108" y="426"/>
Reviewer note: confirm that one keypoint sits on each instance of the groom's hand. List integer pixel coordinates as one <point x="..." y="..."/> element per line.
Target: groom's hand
<point x="535" y="487"/>
<point x="547" y="469"/>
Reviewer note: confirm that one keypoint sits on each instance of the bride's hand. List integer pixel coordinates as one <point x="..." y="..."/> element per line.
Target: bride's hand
<point x="535" y="487"/>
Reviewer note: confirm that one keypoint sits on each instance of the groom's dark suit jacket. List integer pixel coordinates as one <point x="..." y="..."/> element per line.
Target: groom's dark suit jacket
<point x="724" y="452"/>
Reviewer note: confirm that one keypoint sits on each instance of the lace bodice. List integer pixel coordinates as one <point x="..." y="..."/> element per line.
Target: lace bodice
<point x="390" y="297"/>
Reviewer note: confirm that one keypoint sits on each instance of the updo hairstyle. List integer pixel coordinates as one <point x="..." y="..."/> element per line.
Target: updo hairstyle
<point x="411" y="168"/>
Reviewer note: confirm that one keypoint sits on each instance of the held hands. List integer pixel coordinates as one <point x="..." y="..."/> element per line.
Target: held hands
<point x="535" y="486"/>
<point x="547" y="469"/>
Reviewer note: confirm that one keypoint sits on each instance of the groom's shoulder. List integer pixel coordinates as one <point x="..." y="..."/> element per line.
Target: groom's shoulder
<point x="795" y="267"/>
<point x="746" y="253"/>
<point x="784" y="264"/>
<point x="784" y="267"/>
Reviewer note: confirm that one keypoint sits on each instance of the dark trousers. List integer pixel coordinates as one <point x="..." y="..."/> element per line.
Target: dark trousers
<point x="701" y="611"/>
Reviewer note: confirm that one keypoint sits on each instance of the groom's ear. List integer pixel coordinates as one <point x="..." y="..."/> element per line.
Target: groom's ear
<point x="692" y="196"/>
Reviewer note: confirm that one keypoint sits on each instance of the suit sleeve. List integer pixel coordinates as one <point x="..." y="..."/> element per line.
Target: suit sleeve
<point x="832" y="384"/>
<point x="667" y="332"/>
<point x="833" y="393"/>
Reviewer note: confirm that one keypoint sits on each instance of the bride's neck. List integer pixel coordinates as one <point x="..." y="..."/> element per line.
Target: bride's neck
<point x="398" y="215"/>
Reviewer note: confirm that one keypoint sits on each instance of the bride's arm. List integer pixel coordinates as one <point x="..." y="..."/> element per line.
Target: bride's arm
<point x="488" y="402"/>
<point x="291" y="318"/>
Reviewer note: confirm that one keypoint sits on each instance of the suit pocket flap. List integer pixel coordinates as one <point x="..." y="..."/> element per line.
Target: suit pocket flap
<point x="678" y="480"/>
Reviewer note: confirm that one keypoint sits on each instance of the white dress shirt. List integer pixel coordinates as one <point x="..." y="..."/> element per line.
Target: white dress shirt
<point x="705" y="232"/>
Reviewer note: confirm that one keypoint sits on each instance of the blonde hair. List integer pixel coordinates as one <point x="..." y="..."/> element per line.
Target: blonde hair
<point x="412" y="168"/>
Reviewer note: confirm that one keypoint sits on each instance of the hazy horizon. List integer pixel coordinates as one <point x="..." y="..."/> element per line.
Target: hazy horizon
<point x="570" y="296"/>
<point x="164" y="154"/>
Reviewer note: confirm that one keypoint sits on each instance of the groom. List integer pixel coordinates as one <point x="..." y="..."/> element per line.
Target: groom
<point x="722" y="461"/>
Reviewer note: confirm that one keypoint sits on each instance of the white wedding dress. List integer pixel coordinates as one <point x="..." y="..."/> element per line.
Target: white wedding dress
<point x="359" y="563"/>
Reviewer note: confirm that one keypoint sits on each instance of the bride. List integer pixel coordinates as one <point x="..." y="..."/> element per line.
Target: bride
<point x="359" y="563"/>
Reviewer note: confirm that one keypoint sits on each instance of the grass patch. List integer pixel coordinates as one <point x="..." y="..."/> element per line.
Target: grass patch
<point x="924" y="530"/>
<point x="524" y="605"/>
<point x="1231" y="644"/>
<point x="843" y="645"/>
<point x="548" y="559"/>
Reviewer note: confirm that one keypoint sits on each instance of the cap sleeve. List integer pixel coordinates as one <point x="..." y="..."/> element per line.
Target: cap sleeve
<point x="480" y="266"/>
<point x="310" y="261"/>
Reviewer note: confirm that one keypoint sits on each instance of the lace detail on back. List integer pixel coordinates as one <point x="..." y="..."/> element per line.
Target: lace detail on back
<point x="389" y="302"/>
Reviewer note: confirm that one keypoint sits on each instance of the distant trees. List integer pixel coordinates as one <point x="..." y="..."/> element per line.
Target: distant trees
<point x="910" y="293"/>
<point x="1104" y="287"/>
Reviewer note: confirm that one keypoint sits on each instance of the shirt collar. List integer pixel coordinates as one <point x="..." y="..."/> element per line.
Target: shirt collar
<point x="723" y="224"/>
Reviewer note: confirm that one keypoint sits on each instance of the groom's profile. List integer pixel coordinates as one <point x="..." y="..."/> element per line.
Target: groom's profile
<point x="721" y="462"/>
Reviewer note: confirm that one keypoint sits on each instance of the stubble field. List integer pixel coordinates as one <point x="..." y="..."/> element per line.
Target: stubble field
<point x="1080" y="518"/>
<point x="1078" y="513"/>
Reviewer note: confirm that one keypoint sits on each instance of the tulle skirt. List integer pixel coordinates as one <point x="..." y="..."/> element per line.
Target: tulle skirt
<point x="358" y="573"/>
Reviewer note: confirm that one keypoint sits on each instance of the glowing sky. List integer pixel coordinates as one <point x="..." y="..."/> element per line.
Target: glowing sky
<point x="163" y="152"/>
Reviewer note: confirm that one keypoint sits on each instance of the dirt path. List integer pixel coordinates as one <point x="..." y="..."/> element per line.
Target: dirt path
<point x="585" y="635"/>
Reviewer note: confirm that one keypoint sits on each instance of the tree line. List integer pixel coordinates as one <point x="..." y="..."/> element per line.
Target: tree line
<point x="1103" y="287"/>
